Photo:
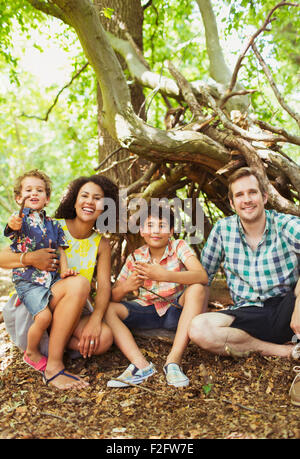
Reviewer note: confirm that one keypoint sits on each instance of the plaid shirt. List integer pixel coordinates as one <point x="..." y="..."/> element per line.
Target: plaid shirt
<point x="254" y="276"/>
<point x="174" y="258"/>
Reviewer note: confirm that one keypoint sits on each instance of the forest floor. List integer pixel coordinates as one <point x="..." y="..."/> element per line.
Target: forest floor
<point x="227" y="399"/>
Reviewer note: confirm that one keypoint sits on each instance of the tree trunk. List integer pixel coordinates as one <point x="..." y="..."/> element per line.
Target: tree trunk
<point x="125" y="22"/>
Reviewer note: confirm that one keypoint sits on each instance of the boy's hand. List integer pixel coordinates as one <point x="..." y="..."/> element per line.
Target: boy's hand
<point x="151" y="271"/>
<point x="15" y="222"/>
<point x="68" y="272"/>
<point x="134" y="282"/>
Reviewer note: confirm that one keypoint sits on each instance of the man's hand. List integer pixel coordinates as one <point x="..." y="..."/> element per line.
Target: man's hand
<point x="295" y="320"/>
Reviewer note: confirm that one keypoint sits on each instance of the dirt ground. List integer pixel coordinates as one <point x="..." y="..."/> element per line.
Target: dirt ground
<point x="227" y="399"/>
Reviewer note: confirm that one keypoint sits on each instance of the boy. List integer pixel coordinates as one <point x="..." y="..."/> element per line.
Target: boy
<point x="31" y="230"/>
<point x="158" y="271"/>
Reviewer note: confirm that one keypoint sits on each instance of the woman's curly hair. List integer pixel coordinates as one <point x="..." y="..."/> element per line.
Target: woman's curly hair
<point x="66" y="208"/>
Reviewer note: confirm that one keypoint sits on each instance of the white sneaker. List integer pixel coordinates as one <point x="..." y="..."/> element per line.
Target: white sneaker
<point x="175" y="376"/>
<point x="296" y="352"/>
<point x="132" y="375"/>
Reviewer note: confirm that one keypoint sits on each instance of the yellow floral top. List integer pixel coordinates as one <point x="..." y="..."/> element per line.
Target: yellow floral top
<point x="81" y="253"/>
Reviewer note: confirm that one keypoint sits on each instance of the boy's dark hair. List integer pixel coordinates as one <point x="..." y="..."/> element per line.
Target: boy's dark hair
<point x="33" y="173"/>
<point x="161" y="210"/>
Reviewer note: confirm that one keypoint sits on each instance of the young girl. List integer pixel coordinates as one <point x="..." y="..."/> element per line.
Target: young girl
<point x="30" y="231"/>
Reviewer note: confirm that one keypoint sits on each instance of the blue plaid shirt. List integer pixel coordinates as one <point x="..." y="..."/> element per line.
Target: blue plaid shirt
<point x="254" y="276"/>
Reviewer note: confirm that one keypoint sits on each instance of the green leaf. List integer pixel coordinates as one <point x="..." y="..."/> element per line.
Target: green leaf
<point x="207" y="388"/>
<point x="108" y="12"/>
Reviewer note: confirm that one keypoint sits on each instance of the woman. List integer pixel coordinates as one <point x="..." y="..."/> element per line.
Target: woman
<point x="71" y="327"/>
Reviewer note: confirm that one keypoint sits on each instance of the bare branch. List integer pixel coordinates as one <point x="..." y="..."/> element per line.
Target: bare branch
<point x="142" y="180"/>
<point x="251" y="41"/>
<point x="108" y="157"/>
<point x="187" y="92"/>
<point x="273" y="85"/>
<point x="219" y="70"/>
<point x="45" y="118"/>
<point x="280" y="131"/>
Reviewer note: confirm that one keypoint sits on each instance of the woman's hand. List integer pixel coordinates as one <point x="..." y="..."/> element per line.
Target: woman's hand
<point x="90" y="337"/>
<point x="43" y="259"/>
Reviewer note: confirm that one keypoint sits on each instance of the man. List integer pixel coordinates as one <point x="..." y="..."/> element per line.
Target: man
<point x="260" y="252"/>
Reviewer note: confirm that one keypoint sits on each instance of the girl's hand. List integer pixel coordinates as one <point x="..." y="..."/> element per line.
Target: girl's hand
<point x="68" y="272"/>
<point x="15" y="222"/>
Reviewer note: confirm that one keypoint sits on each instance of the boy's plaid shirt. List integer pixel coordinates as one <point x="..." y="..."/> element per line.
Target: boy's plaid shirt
<point x="254" y="276"/>
<point x="175" y="255"/>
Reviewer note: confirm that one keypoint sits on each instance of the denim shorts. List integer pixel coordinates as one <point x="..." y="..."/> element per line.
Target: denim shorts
<point x="146" y="317"/>
<point x="35" y="297"/>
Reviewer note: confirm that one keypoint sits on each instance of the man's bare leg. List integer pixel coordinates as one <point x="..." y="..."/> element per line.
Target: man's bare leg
<point x="212" y="331"/>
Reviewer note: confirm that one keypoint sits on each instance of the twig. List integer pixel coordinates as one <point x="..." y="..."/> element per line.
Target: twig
<point x="135" y="385"/>
<point x="248" y="408"/>
<point x="44" y="413"/>
<point x="251" y="41"/>
<point x="45" y="118"/>
<point x="22" y="206"/>
<point x="108" y="157"/>
<point x="116" y="163"/>
<point x="143" y="180"/>
<point x="273" y="85"/>
<point x="235" y="93"/>
<point x="280" y="131"/>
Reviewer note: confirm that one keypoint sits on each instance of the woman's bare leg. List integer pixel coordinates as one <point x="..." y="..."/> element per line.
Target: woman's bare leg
<point x="69" y="297"/>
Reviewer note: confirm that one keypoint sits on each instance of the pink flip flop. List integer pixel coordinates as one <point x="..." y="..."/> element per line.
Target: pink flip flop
<point x="39" y="366"/>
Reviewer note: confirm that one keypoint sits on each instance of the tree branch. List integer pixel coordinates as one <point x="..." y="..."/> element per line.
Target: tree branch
<point x="251" y="41"/>
<point x="219" y="70"/>
<point x="143" y="180"/>
<point x="45" y="118"/>
<point x="49" y="9"/>
<point x="273" y="85"/>
<point x="280" y="131"/>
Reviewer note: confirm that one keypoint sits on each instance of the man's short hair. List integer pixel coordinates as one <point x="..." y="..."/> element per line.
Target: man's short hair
<point x="245" y="172"/>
